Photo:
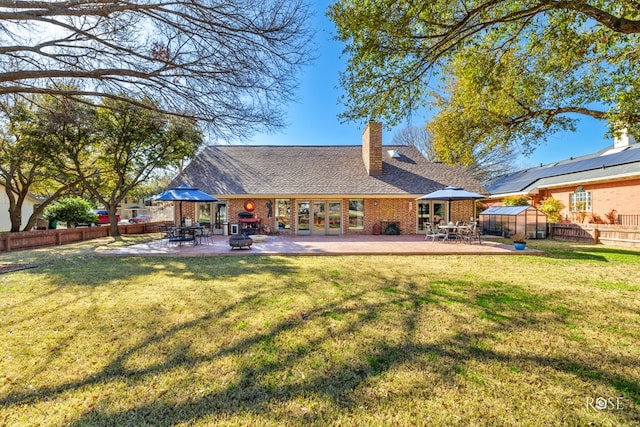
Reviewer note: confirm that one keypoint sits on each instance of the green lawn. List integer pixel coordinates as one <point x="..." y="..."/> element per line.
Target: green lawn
<point x="366" y="340"/>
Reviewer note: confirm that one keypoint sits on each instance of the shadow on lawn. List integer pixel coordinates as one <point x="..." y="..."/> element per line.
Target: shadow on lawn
<point x="598" y="253"/>
<point x="504" y="307"/>
<point x="91" y="271"/>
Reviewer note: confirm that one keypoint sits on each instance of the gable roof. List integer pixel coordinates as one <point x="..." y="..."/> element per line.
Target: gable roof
<point x="608" y="163"/>
<point x="317" y="170"/>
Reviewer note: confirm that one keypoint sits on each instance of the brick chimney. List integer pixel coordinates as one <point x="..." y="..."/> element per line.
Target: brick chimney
<point x="372" y="148"/>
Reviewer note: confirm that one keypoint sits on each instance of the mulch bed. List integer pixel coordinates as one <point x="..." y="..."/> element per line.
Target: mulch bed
<point x="8" y="268"/>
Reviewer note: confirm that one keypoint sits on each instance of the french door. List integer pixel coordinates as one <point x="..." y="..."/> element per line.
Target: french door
<point x="320" y="217"/>
<point x="430" y="212"/>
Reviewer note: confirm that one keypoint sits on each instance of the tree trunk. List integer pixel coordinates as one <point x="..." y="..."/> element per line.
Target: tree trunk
<point x="113" y="227"/>
<point x="113" y="220"/>
<point x="15" y="215"/>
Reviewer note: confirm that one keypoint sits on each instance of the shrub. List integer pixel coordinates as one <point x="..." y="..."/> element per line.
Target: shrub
<point x="515" y="201"/>
<point x="595" y="219"/>
<point x="551" y="207"/>
<point x="612" y="216"/>
<point x="72" y="210"/>
<point x="519" y="237"/>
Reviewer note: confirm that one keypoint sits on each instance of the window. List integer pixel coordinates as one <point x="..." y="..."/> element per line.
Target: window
<point x="283" y="214"/>
<point x="356" y="214"/>
<point x="580" y="201"/>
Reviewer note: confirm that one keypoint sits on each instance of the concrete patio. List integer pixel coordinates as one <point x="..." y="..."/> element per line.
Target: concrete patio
<point x="322" y="245"/>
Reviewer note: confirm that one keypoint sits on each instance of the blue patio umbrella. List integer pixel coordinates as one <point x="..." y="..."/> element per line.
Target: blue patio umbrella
<point x="450" y="194"/>
<point x="183" y="193"/>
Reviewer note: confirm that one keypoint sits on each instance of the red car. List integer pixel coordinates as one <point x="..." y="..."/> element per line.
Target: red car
<point x="103" y="216"/>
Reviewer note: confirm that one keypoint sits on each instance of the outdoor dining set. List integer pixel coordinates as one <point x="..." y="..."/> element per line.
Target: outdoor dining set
<point x="453" y="232"/>
<point x="179" y="235"/>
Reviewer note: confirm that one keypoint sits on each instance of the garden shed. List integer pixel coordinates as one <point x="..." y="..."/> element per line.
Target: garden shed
<point x="507" y="220"/>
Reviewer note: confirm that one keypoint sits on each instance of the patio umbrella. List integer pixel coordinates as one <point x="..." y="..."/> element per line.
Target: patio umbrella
<point x="450" y="194"/>
<point x="184" y="193"/>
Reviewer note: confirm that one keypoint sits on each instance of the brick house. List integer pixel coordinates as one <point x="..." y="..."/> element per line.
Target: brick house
<point x="359" y="189"/>
<point x="590" y="187"/>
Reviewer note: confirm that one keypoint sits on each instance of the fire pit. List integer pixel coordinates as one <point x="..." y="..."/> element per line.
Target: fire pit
<point x="239" y="241"/>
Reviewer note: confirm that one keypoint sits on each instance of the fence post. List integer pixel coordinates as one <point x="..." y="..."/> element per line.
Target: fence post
<point x="596" y="235"/>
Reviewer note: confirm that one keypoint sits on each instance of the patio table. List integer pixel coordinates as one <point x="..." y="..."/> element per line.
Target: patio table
<point x="451" y="230"/>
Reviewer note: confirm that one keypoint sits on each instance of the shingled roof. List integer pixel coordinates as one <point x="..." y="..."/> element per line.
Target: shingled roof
<point x="317" y="170"/>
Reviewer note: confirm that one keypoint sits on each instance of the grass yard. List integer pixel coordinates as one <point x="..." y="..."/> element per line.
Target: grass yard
<point x="353" y="341"/>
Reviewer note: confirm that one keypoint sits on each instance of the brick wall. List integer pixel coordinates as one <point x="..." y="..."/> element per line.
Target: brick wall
<point x="623" y="196"/>
<point x="372" y="148"/>
<point x="402" y="210"/>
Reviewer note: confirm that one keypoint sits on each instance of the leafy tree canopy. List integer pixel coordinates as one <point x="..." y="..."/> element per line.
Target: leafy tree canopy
<point x="510" y="70"/>
<point x="24" y="169"/>
<point x="113" y="149"/>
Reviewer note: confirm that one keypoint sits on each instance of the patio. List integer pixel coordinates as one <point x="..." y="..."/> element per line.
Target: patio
<point x="323" y="245"/>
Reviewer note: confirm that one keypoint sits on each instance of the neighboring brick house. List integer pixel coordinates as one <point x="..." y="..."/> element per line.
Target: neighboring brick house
<point x="588" y="186"/>
<point x="334" y="189"/>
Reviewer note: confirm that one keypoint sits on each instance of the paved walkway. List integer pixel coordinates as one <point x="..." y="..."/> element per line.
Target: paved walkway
<point x="322" y="245"/>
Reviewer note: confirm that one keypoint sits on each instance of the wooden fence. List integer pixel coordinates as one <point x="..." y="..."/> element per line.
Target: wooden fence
<point x="615" y="235"/>
<point x="41" y="238"/>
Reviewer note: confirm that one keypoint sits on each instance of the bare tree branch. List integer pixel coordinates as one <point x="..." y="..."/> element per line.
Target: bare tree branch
<point x="230" y="63"/>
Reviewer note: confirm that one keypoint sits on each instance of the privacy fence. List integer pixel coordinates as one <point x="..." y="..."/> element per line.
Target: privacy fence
<point x="41" y="238"/>
<point x="616" y="235"/>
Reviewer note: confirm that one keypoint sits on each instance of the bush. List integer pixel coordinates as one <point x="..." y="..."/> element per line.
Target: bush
<point x="551" y="207"/>
<point x="596" y="219"/>
<point x="515" y="201"/>
<point x="519" y="237"/>
<point x="72" y="210"/>
<point x="612" y="216"/>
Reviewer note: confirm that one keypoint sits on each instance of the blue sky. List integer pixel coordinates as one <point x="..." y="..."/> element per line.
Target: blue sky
<point x="313" y="119"/>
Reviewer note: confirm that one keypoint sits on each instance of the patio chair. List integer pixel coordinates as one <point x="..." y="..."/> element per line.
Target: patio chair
<point x="474" y="233"/>
<point x="463" y="233"/>
<point x="433" y="234"/>
<point x="204" y="235"/>
<point x="171" y="236"/>
<point x="165" y="231"/>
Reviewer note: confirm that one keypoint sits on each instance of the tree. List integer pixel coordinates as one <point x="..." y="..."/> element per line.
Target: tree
<point x="113" y="149"/>
<point x="416" y="137"/>
<point x="24" y="169"/>
<point x="512" y="69"/>
<point x="232" y="63"/>
<point x="483" y="164"/>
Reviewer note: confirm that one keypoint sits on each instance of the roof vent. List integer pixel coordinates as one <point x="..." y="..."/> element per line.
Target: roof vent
<point x="393" y="153"/>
